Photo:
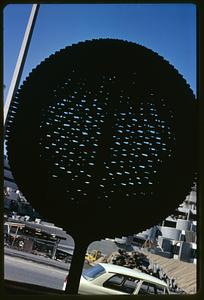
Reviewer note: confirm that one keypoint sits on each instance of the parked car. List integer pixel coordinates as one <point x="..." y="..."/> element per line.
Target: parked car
<point x="108" y="279"/>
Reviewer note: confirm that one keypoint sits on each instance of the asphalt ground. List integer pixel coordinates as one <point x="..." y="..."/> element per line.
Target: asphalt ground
<point x="26" y="271"/>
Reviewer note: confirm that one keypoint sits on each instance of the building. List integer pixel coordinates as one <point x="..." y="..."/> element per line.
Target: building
<point x="40" y="238"/>
<point x="26" y="230"/>
<point x="177" y="235"/>
<point x="14" y="201"/>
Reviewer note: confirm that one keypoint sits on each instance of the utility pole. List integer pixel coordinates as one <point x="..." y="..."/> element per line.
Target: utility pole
<point x="21" y="60"/>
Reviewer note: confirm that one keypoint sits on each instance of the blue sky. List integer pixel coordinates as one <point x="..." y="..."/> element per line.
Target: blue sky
<point x="169" y="29"/>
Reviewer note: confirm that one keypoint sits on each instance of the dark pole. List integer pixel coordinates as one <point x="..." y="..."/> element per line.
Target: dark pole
<point x="76" y="268"/>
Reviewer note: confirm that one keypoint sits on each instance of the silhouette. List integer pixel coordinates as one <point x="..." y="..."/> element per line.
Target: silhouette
<point x="99" y="137"/>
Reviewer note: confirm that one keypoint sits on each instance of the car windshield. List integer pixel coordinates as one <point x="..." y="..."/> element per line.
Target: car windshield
<point x="93" y="272"/>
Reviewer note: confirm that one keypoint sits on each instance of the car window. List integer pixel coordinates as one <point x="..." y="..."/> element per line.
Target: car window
<point x="93" y="272"/>
<point x="150" y="288"/>
<point x="122" y="283"/>
<point x="130" y="284"/>
<point x="115" y="280"/>
<point x="161" y="289"/>
<point x="146" y="289"/>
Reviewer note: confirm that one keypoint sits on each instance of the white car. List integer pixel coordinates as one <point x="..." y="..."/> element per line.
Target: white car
<point x="108" y="279"/>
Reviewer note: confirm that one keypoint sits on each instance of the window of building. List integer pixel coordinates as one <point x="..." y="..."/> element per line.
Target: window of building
<point x="13" y="229"/>
<point x="170" y="223"/>
<point x="193" y="253"/>
<point x="176" y="249"/>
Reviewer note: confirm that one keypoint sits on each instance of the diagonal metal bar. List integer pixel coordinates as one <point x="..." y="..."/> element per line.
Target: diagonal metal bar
<point x="21" y="59"/>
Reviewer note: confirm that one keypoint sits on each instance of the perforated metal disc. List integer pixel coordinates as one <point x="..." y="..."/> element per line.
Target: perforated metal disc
<point x="104" y="129"/>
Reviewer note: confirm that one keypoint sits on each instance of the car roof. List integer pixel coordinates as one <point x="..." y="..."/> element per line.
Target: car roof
<point x="130" y="272"/>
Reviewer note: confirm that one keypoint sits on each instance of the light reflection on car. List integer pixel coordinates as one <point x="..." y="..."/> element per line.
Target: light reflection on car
<point x="108" y="279"/>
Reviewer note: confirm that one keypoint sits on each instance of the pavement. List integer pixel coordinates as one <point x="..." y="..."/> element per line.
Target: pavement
<point x="29" y="272"/>
<point x="108" y="246"/>
<point x="36" y="258"/>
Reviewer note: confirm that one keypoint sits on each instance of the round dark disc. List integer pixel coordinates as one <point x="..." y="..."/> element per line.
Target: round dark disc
<point x="101" y="138"/>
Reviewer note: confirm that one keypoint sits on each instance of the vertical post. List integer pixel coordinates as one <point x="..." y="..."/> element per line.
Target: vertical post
<point x="15" y="236"/>
<point x="188" y="214"/>
<point x="54" y="249"/>
<point x="76" y="268"/>
<point x="21" y="60"/>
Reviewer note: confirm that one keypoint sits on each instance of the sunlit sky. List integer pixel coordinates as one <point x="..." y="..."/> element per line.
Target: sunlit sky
<point x="168" y="29"/>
